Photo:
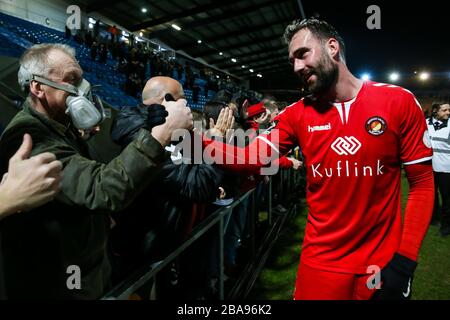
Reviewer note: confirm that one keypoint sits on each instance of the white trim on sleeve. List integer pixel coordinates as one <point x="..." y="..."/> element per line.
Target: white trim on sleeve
<point x="418" y="160"/>
<point x="269" y="143"/>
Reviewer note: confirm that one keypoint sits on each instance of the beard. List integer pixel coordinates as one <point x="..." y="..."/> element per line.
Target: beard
<point x="326" y="76"/>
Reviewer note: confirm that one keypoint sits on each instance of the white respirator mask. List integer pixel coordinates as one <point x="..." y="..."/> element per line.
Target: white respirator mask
<point x="84" y="109"/>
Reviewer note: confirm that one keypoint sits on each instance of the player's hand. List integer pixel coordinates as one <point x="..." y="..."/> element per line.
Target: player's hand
<point x="396" y="279"/>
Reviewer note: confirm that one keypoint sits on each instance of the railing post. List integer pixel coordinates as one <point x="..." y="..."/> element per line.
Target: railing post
<point x="253" y="217"/>
<point x="269" y="213"/>
<point x="220" y="255"/>
<point x="280" y="187"/>
<point x="289" y="181"/>
<point x="138" y="278"/>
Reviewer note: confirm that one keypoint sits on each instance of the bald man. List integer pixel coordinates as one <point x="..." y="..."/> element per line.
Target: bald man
<point x="131" y="118"/>
<point x="156" y="89"/>
<point x="158" y="218"/>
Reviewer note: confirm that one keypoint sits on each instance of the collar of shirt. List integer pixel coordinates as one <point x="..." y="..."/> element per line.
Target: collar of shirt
<point x="437" y="124"/>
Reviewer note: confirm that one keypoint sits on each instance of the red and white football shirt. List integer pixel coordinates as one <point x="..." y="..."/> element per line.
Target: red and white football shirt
<point x="353" y="153"/>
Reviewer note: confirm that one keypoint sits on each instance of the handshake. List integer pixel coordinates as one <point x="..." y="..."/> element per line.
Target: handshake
<point x="163" y="119"/>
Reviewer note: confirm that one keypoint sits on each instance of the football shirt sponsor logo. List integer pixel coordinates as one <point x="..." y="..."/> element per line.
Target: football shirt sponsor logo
<point x="346" y="145"/>
<point x="347" y="169"/>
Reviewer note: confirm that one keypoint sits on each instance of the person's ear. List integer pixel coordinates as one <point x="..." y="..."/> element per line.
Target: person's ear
<point x="37" y="90"/>
<point x="333" y="48"/>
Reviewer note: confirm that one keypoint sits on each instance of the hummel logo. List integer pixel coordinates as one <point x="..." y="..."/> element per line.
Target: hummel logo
<point x="408" y="290"/>
<point x="320" y="128"/>
<point x="346" y="145"/>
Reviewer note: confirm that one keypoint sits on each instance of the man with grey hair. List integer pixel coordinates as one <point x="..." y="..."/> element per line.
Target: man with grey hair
<point x="355" y="136"/>
<point x="58" y="250"/>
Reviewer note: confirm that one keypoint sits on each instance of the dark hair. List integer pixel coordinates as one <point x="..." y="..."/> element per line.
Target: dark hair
<point x="212" y="110"/>
<point x="222" y="96"/>
<point x="320" y="29"/>
<point x="197" y="115"/>
<point x="436" y="105"/>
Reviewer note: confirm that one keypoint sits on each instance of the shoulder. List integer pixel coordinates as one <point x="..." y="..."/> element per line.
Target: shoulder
<point x="12" y="136"/>
<point x="45" y="138"/>
<point x="22" y="123"/>
<point x="390" y="91"/>
<point x="398" y="101"/>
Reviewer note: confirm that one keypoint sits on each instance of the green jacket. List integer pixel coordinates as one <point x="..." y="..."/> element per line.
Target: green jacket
<point x="38" y="246"/>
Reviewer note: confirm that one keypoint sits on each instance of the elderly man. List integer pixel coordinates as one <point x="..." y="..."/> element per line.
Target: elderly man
<point x="59" y="249"/>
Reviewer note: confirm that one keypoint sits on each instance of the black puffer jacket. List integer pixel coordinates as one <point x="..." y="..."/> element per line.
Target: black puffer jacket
<point x="150" y="227"/>
<point x="127" y="124"/>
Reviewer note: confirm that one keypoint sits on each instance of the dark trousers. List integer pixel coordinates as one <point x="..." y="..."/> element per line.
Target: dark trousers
<point x="442" y="187"/>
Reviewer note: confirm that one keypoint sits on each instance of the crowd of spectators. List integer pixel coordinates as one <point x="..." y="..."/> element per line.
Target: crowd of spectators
<point x="139" y="60"/>
<point x="109" y="218"/>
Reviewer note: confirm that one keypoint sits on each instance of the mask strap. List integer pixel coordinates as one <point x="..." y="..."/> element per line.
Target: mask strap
<point x="65" y="87"/>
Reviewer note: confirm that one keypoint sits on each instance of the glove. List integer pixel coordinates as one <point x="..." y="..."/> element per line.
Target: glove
<point x="396" y="279"/>
<point x="156" y="115"/>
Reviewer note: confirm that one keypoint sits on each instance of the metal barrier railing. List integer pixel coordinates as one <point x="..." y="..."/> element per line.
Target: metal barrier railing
<point x="140" y="277"/>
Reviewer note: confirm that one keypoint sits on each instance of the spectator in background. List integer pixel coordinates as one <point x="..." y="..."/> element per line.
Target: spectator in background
<point x="189" y="77"/>
<point x="133" y="85"/>
<point x="272" y="109"/>
<point x="170" y="206"/>
<point x="89" y="39"/>
<point x="96" y="30"/>
<point x="115" y="50"/>
<point x="440" y="141"/>
<point x="94" y="49"/>
<point x="114" y="32"/>
<point x="195" y="90"/>
<point x="68" y="32"/>
<point x="103" y="53"/>
<point x="257" y="115"/>
<point x="179" y="70"/>
<point x="80" y="36"/>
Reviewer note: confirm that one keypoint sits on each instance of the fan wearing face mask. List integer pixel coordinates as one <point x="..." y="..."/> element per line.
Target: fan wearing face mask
<point x="40" y="245"/>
